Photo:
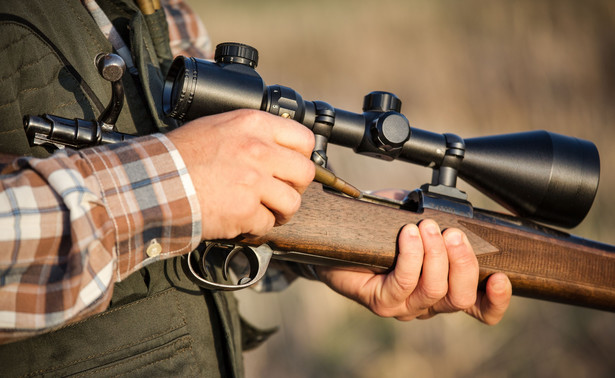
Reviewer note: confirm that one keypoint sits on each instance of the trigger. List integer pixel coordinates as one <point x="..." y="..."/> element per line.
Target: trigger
<point x="227" y="264"/>
<point x="258" y="260"/>
<point x="252" y="257"/>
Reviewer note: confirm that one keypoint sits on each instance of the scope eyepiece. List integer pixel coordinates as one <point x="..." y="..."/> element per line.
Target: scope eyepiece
<point x="179" y="87"/>
<point x="194" y="88"/>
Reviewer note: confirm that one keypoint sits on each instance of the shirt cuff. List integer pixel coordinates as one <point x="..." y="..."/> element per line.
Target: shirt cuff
<point x="150" y="198"/>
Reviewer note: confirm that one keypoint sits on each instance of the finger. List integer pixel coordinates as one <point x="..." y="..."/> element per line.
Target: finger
<point x="492" y="304"/>
<point x="463" y="273"/>
<point x="433" y="284"/>
<point x="352" y="284"/>
<point x="262" y="221"/>
<point x="293" y="135"/>
<point x="280" y="199"/>
<point x="402" y="281"/>
<point x="285" y="132"/>
<point x="496" y="300"/>
<point x="293" y="168"/>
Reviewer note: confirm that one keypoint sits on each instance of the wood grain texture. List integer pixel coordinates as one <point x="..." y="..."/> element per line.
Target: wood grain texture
<point x="331" y="229"/>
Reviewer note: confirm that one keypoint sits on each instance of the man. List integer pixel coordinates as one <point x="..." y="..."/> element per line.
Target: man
<point x="92" y="265"/>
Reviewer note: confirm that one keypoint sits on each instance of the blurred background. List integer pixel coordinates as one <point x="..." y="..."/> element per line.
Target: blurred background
<point x="472" y="68"/>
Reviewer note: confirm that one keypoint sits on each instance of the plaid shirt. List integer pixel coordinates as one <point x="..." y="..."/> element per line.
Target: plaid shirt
<point x="77" y="222"/>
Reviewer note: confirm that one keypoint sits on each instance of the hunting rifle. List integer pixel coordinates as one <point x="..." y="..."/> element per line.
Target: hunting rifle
<point x="541" y="177"/>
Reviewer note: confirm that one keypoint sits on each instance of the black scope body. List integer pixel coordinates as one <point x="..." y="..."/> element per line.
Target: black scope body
<point x="539" y="175"/>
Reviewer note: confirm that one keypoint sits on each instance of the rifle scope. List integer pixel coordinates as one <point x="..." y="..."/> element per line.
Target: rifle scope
<point x="539" y="175"/>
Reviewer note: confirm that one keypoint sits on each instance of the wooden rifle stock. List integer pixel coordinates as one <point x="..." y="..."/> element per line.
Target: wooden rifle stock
<point x="541" y="262"/>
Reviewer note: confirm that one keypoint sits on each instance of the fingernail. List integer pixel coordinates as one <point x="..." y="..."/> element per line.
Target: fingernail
<point x="412" y="230"/>
<point x="431" y="228"/>
<point x="499" y="286"/>
<point x="453" y="238"/>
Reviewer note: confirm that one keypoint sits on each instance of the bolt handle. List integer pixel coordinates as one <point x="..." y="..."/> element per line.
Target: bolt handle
<point x="111" y="67"/>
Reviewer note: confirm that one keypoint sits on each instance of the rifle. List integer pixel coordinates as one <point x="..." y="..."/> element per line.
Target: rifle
<point x="531" y="174"/>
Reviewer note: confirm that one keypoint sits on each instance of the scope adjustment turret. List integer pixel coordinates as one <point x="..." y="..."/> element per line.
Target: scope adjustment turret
<point x="232" y="52"/>
<point x="379" y="101"/>
<point x="390" y="131"/>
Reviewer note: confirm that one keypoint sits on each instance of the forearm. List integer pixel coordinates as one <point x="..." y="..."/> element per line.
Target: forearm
<point x="78" y="222"/>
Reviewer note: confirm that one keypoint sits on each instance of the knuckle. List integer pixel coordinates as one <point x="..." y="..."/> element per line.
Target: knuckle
<point x="405" y="283"/>
<point x="255" y="149"/>
<point x="462" y="302"/>
<point x="245" y="121"/>
<point x="466" y="262"/>
<point x="381" y="308"/>
<point x="247" y="209"/>
<point x="307" y="138"/>
<point x="266" y="227"/>
<point x="309" y="172"/>
<point x="249" y="116"/>
<point x="261" y="221"/>
<point x="295" y="202"/>
<point x="248" y="178"/>
<point x="384" y="312"/>
<point x="435" y="292"/>
<point x="405" y="318"/>
<point x="292" y="205"/>
<point x="492" y="320"/>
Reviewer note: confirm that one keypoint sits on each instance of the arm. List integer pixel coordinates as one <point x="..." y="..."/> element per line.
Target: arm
<point x="84" y="220"/>
<point x="76" y="229"/>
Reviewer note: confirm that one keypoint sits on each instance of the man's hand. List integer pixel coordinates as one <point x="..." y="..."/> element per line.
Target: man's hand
<point x="435" y="273"/>
<point x="249" y="169"/>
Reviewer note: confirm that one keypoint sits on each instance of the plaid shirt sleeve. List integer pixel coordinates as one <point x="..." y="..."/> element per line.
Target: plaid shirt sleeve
<point x="77" y="222"/>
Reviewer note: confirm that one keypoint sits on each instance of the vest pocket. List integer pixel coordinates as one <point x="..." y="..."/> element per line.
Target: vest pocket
<point x="125" y="340"/>
<point x="173" y="358"/>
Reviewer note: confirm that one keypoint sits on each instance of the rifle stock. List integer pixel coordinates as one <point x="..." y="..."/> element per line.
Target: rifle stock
<point x="541" y="263"/>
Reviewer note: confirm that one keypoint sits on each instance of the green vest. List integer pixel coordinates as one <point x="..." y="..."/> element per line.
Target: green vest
<point x="159" y="323"/>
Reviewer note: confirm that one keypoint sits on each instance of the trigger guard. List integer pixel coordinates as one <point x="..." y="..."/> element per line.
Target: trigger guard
<point x="258" y="258"/>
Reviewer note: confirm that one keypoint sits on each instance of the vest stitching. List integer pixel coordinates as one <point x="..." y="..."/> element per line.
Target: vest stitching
<point x="60" y="106"/>
<point x="183" y="315"/>
<point x="190" y="366"/>
<point x="15" y="42"/>
<point x="131" y="359"/>
<point x="118" y="348"/>
<point x="18" y="21"/>
<point x="28" y="34"/>
<point x="78" y="93"/>
<point x="27" y="65"/>
<point x="64" y="105"/>
<point x="98" y="46"/>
